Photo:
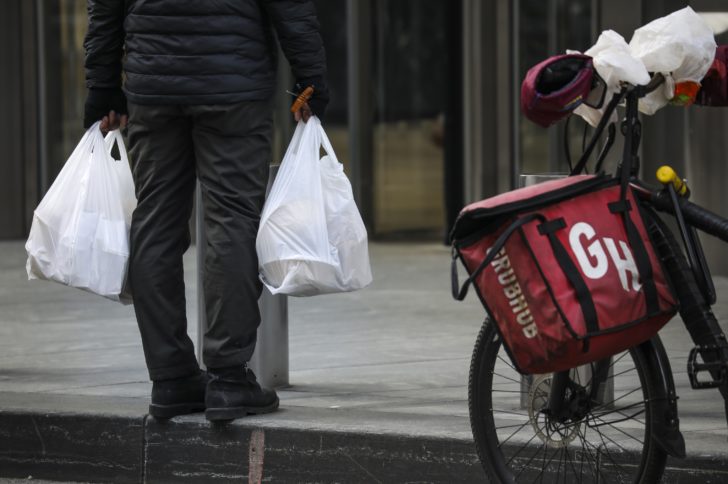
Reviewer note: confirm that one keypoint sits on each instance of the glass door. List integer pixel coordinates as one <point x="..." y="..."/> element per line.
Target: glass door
<point x="63" y="25"/>
<point x="409" y="85"/>
<point x="543" y="29"/>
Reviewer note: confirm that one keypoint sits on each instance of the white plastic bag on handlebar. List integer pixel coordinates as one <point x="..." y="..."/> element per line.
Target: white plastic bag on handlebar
<point x="681" y="46"/>
<point x="614" y="63"/>
<point x="80" y="231"/>
<point x="312" y="239"/>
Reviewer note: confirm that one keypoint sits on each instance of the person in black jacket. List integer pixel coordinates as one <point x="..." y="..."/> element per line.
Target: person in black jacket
<point x="198" y="79"/>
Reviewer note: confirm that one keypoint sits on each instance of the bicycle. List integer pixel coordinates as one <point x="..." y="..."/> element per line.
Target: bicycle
<point x="571" y="426"/>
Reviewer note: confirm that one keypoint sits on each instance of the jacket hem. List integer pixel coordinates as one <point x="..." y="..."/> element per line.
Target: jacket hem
<point x="197" y="99"/>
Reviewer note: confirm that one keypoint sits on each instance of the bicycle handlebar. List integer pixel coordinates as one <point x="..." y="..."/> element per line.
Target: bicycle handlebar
<point x="697" y="216"/>
<point x="654" y="83"/>
<point x="667" y="176"/>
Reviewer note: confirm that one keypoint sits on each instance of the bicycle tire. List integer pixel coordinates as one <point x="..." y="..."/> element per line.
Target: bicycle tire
<point x="492" y="448"/>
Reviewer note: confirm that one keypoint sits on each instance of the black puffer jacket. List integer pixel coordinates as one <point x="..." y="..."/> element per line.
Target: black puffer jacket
<point x="200" y="51"/>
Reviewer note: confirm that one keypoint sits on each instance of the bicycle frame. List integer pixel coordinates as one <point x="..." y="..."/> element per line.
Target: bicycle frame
<point x="702" y="326"/>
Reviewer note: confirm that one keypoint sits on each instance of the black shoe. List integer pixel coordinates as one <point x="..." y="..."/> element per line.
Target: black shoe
<point x="234" y="392"/>
<point x="178" y="396"/>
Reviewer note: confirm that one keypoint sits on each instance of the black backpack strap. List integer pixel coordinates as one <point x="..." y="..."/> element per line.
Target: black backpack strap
<point x="642" y="258"/>
<point x="583" y="295"/>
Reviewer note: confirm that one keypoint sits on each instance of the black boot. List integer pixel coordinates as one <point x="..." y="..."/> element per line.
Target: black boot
<point x="234" y="392"/>
<point x="178" y="396"/>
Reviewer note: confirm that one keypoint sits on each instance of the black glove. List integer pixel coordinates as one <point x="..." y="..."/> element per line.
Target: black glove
<point x="320" y="98"/>
<point x="100" y="101"/>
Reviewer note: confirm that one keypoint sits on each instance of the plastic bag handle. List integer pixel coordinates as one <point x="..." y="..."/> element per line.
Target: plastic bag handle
<point x="305" y="137"/>
<point x="86" y="140"/>
<point x="122" y="167"/>
<point x="325" y="143"/>
<point x="115" y="136"/>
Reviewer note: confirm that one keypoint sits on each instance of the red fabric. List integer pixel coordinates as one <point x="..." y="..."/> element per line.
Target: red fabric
<point x="553" y="316"/>
<point x="527" y="192"/>
<point x="546" y="109"/>
<point x="714" y="90"/>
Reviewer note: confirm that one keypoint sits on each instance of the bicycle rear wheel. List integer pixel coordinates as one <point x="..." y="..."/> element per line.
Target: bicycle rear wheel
<point x="602" y="441"/>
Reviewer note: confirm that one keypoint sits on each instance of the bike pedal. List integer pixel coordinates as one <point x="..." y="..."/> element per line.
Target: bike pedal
<point x="716" y="363"/>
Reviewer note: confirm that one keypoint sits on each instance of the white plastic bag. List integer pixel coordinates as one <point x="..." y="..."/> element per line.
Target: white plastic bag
<point x="680" y="45"/>
<point x="312" y="239"/>
<point x="80" y="231"/>
<point x="614" y="63"/>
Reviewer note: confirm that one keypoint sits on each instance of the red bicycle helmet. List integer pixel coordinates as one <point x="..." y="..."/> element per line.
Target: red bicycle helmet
<point x="555" y="87"/>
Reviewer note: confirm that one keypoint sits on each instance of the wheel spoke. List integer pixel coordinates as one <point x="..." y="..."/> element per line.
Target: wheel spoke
<point x="621" y="431"/>
<point x="505" y="377"/>
<point x="512" y="426"/>
<point x="602" y="435"/>
<point x="609" y="455"/>
<point x="545" y="465"/>
<point x="589" y="444"/>
<point x="521" y="449"/>
<point x="617" y="399"/>
<point x="561" y="460"/>
<point x="594" y="468"/>
<point x="581" y="464"/>
<point x="514" y="433"/>
<point x="611" y="365"/>
<point x="506" y="362"/>
<point x="510" y="412"/>
<point x="626" y="407"/>
<point x="625" y="419"/>
<point x="623" y="372"/>
<point x="571" y="464"/>
<point x="525" y="466"/>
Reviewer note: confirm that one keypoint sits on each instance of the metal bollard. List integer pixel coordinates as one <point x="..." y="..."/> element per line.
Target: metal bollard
<point x="583" y="373"/>
<point x="270" y="359"/>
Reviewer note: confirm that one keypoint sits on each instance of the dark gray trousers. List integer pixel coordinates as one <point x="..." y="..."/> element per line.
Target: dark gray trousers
<point x="228" y="148"/>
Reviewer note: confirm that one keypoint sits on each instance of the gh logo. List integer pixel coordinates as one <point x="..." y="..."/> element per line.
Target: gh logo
<point x="592" y="257"/>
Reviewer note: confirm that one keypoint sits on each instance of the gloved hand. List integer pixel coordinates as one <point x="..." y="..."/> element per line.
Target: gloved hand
<point x="318" y="102"/>
<point x="100" y="102"/>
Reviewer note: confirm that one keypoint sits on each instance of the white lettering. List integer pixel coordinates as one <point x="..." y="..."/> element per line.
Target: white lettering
<point x="518" y="304"/>
<point x="594" y="262"/>
<point x="513" y="292"/>
<point x="509" y="278"/>
<point x="525" y="318"/>
<point x="595" y="249"/>
<point x="530" y="331"/>
<point x="624" y="263"/>
<point x="501" y="263"/>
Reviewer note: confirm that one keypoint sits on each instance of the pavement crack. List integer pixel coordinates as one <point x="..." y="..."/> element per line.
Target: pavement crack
<point x="100" y="385"/>
<point x="388" y="363"/>
<point x="40" y="437"/>
<point x="362" y="467"/>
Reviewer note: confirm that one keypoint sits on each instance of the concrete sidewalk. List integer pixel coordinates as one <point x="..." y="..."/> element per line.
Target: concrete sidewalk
<point x="378" y="387"/>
